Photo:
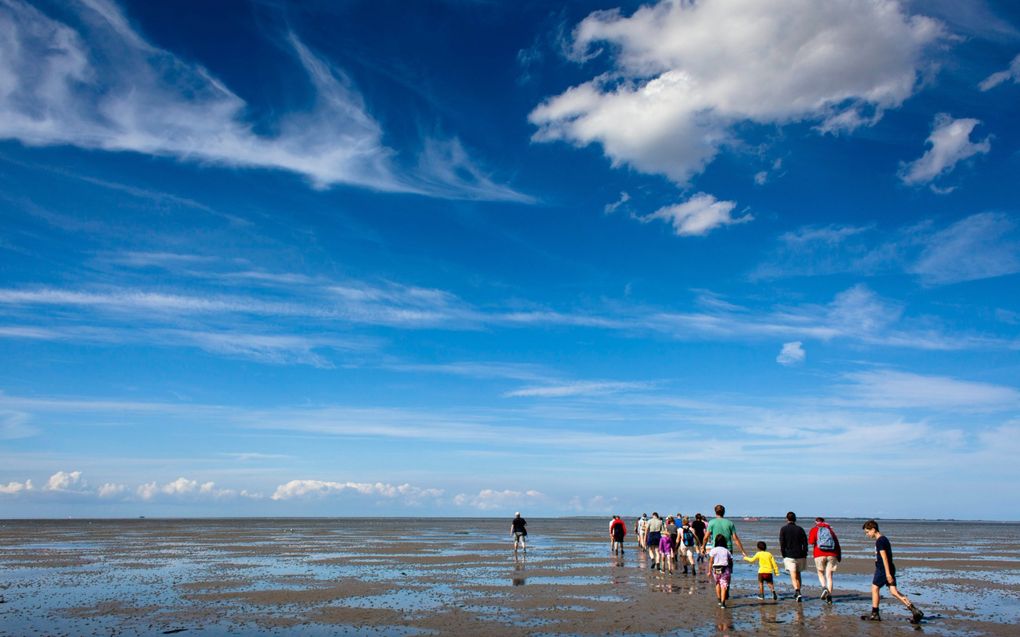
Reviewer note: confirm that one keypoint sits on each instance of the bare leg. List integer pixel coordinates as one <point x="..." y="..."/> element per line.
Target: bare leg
<point x="900" y="596"/>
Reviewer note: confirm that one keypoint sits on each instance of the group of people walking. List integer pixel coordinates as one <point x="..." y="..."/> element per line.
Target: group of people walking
<point x="677" y="541"/>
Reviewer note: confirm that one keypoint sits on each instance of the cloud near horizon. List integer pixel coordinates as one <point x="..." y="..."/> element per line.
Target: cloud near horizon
<point x="492" y="499"/>
<point x="99" y="84"/>
<point x="306" y="488"/>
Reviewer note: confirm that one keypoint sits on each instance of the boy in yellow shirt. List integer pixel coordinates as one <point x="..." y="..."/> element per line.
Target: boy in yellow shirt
<point x="767" y="567"/>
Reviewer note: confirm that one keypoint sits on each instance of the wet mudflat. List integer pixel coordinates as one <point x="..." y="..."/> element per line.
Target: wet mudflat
<point x="458" y="577"/>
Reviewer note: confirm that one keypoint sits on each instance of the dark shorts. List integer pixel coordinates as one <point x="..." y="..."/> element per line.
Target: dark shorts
<point x="880" y="580"/>
<point x="617" y="536"/>
<point x="653" y="539"/>
<point x="765" y="577"/>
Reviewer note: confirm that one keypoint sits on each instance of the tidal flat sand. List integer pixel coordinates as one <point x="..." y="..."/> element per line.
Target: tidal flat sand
<point x="459" y="577"/>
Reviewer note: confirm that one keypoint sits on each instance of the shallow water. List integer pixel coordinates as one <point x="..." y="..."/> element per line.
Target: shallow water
<point x="457" y="576"/>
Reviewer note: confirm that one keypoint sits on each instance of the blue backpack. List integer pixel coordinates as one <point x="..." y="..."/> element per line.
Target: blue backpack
<point x="825" y="540"/>
<point x="688" y="537"/>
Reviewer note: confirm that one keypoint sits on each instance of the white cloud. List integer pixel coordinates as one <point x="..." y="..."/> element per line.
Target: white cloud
<point x="594" y="504"/>
<point x="791" y="354"/>
<point x="182" y="487"/>
<point x="305" y="488"/>
<point x="14" y="424"/>
<point x="981" y="246"/>
<point x="147" y="491"/>
<point x="13" y="488"/>
<point x="761" y="177"/>
<point x="613" y="207"/>
<point x="684" y="73"/>
<point x="886" y="389"/>
<point x="65" y="481"/>
<point x="185" y="487"/>
<point x="277" y="349"/>
<point x="950" y="144"/>
<point x="490" y="499"/>
<point x="582" y="388"/>
<point x="995" y="79"/>
<point x="99" y="84"/>
<point x="859" y="310"/>
<point x="697" y="216"/>
<point x="110" y="490"/>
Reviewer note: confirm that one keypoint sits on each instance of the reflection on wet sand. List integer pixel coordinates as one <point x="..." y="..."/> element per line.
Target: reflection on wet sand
<point x="361" y="577"/>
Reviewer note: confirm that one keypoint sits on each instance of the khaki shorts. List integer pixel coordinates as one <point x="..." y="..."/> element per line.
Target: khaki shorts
<point x="795" y="564"/>
<point x="826" y="562"/>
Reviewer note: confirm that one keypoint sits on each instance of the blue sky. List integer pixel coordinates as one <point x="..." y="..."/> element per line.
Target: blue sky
<point x="462" y="258"/>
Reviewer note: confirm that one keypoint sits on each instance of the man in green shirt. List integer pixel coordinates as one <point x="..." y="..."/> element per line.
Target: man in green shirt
<point x="721" y="526"/>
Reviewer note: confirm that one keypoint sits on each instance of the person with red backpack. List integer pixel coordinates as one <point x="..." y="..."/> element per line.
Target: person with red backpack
<point x="827" y="555"/>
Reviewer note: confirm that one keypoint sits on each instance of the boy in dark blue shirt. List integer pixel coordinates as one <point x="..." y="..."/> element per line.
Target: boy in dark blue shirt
<point x="885" y="575"/>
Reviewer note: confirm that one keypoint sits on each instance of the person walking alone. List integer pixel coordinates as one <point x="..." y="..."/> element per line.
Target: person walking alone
<point x="793" y="544"/>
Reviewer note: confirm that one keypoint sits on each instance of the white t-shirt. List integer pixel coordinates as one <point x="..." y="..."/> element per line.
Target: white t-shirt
<point x="720" y="556"/>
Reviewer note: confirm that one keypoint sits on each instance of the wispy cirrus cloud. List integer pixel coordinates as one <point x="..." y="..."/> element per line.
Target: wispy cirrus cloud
<point x="855" y="314"/>
<point x="1000" y="77"/>
<point x="578" y="388"/>
<point x="887" y="388"/>
<point x="981" y="246"/>
<point x="978" y="246"/>
<point x="95" y="82"/>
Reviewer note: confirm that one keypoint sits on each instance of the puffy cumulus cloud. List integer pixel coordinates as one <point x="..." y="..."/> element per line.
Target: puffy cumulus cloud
<point x="111" y="490"/>
<point x="490" y="499"/>
<point x="65" y="481"/>
<point x="697" y="216"/>
<point x="950" y="144"/>
<point x="305" y="488"/>
<point x="182" y="487"/>
<point x="95" y="82"/>
<point x="685" y="73"/>
<point x="13" y="488"/>
<point x="995" y="79"/>
<point x="147" y="491"/>
<point x="791" y="354"/>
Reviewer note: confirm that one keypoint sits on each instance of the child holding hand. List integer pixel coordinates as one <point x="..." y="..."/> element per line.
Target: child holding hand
<point x="767" y="568"/>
